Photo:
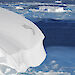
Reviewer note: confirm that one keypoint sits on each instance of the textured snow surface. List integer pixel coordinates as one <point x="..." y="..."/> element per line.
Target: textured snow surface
<point x="21" y="42"/>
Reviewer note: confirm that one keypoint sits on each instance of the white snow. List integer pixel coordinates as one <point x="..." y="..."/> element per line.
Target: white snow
<point x="19" y="7"/>
<point x="1" y="73"/>
<point x="21" y="42"/>
<point x="52" y="73"/>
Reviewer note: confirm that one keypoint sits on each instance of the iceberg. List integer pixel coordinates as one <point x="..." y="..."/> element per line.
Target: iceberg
<point x="21" y="42"/>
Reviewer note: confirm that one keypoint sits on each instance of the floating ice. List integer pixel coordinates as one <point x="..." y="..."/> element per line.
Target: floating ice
<point x="21" y="42"/>
<point x="52" y="73"/>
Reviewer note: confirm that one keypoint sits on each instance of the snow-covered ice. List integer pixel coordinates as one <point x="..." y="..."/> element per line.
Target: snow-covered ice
<point x="21" y="42"/>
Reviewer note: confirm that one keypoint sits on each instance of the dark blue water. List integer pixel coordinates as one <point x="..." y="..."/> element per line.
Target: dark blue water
<point x="58" y="32"/>
<point x="59" y="44"/>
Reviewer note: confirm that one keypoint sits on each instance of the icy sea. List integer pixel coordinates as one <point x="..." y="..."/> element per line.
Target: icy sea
<point x="59" y="43"/>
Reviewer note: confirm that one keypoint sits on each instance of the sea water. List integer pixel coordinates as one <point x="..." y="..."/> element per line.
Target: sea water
<point x="59" y="31"/>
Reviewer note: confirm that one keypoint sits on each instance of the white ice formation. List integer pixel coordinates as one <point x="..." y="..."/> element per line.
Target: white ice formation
<point x="21" y="42"/>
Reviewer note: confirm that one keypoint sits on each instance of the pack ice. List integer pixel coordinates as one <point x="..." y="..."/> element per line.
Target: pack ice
<point x="21" y="42"/>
